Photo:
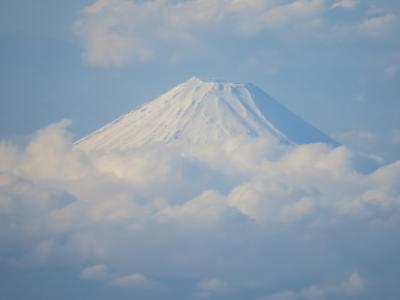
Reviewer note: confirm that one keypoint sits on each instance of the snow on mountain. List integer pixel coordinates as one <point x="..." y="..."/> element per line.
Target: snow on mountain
<point x="199" y="112"/>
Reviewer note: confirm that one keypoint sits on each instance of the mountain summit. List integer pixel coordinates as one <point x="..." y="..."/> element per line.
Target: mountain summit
<point x="199" y="112"/>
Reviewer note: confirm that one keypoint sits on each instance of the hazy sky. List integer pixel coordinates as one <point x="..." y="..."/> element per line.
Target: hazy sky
<point x="335" y="63"/>
<point x="306" y="226"/>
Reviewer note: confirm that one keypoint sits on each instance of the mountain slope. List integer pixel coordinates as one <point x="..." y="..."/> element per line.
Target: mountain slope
<point x="199" y="112"/>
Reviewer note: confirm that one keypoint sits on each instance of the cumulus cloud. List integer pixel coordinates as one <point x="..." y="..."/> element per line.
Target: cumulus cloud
<point x="362" y="142"/>
<point x="114" y="32"/>
<point x="258" y="223"/>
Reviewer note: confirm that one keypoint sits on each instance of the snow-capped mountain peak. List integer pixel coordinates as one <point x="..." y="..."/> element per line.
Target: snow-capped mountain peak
<point x="199" y="112"/>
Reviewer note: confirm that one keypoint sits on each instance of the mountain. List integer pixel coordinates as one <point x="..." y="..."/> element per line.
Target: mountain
<point x="199" y="112"/>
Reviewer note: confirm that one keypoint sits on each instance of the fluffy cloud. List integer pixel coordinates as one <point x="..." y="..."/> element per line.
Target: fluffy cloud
<point x="261" y="225"/>
<point x="114" y="32"/>
<point x="118" y="32"/>
<point x="363" y="143"/>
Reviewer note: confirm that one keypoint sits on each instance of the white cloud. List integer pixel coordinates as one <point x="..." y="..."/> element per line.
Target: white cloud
<point x="363" y="143"/>
<point x="292" y="211"/>
<point x="207" y="208"/>
<point x="346" y="4"/>
<point x="115" y="32"/>
<point x="281" y="15"/>
<point x="170" y="215"/>
<point x="377" y="26"/>
<point x="98" y="271"/>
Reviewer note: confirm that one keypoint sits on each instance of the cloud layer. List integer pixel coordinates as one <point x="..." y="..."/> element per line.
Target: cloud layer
<point x="116" y="32"/>
<point x="298" y="224"/>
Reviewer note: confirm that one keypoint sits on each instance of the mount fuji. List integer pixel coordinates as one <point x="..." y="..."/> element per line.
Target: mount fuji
<point x="200" y="112"/>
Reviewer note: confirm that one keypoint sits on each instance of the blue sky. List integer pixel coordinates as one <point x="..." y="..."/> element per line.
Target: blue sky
<point x="335" y="63"/>
<point x="314" y="229"/>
